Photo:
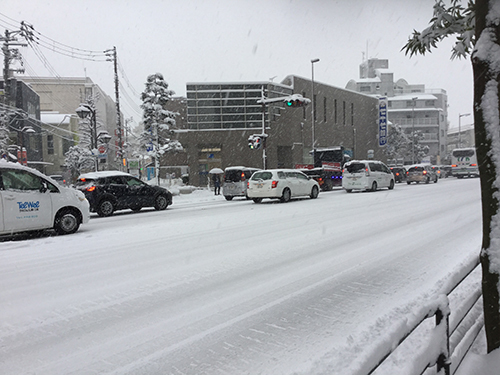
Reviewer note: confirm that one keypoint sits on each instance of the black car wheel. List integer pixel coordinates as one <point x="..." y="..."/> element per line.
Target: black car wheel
<point x="257" y="200"/>
<point x="136" y="208"/>
<point x="66" y="222"/>
<point x="161" y="202"/>
<point x="374" y="186"/>
<point x="314" y="192"/>
<point x="105" y="208"/>
<point x="228" y="197"/>
<point x="391" y="185"/>
<point x="285" y="197"/>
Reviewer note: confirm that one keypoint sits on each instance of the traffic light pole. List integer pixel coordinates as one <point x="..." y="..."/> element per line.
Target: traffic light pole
<point x="264" y="158"/>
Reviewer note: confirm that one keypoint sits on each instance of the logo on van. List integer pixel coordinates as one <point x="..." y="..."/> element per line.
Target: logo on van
<point x="28" y="206"/>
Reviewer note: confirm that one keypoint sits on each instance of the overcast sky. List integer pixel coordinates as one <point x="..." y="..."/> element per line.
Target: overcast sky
<point x="239" y="40"/>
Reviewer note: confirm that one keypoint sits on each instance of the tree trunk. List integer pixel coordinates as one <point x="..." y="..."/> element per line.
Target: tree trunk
<point x="486" y="74"/>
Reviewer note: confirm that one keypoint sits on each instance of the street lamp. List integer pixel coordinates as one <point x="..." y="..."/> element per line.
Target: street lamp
<point x="313" y="119"/>
<point x="414" y="102"/>
<point x="104" y="137"/>
<point x="459" y="128"/>
<point x="83" y="111"/>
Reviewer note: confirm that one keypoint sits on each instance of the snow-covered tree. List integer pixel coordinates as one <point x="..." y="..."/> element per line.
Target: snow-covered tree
<point x="4" y="133"/>
<point x="420" y="149"/>
<point x="477" y="27"/>
<point x="397" y="143"/>
<point x="79" y="159"/>
<point x="159" y="122"/>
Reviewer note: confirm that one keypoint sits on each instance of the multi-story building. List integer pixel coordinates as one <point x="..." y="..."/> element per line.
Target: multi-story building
<point x="60" y="132"/>
<point x="23" y="109"/>
<point x="222" y="116"/>
<point x="410" y="106"/>
<point x="64" y="95"/>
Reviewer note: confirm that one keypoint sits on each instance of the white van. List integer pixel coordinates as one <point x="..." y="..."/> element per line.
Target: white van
<point x="366" y="175"/>
<point x="235" y="181"/>
<point x="31" y="201"/>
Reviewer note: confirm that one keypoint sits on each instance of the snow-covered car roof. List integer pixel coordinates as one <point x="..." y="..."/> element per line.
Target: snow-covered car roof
<point x="94" y="175"/>
<point x="7" y="164"/>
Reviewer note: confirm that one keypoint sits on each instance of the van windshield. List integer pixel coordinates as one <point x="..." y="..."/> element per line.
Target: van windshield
<point x="355" y="168"/>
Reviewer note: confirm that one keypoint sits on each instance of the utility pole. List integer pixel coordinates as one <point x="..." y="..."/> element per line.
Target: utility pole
<point x="113" y="57"/>
<point x="9" y="54"/>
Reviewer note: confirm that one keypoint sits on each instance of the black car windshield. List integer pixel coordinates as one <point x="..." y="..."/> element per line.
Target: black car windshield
<point x="262" y="176"/>
<point x="355" y="167"/>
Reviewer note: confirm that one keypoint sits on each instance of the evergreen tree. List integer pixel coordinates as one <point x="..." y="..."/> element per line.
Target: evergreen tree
<point x="158" y="121"/>
<point x="478" y="28"/>
<point x="397" y="144"/>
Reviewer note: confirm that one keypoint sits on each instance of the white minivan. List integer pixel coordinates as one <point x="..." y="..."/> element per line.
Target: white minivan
<point x="31" y="201"/>
<point x="366" y="175"/>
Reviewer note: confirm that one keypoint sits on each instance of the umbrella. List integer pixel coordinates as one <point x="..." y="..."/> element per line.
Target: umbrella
<point x="216" y="171"/>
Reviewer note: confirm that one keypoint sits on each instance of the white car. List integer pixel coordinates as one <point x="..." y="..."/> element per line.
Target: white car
<point x="366" y="175"/>
<point x="282" y="184"/>
<point x="31" y="201"/>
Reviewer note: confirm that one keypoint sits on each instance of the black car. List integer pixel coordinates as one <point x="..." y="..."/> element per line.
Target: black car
<point x="399" y="174"/>
<point x="109" y="191"/>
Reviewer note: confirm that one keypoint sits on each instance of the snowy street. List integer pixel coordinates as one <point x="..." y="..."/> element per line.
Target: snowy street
<point x="216" y="287"/>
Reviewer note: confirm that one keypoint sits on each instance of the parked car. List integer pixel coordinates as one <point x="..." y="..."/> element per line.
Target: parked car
<point x="110" y="191"/>
<point x="421" y="173"/>
<point x="31" y="201"/>
<point x="366" y="175"/>
<point x="399" y="174"/>
<point x="282" y="184"/>
<point x="235" y="181"/>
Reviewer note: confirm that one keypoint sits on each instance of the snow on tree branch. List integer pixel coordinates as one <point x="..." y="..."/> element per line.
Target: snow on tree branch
<point x="446" y="21"/>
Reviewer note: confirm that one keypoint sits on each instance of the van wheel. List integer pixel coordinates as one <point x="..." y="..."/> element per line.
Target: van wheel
<point x="391" y="185"/>
<point x="348" y="190"/>
<point x="66" y="222"/>
<point x="314" y="192"/>
<point x="436" y="180"/>
<point x="257" y="200"/>
<point x="285" y="197"/>
<point x="374" y="186"/>
<point x="105" y="208"/>
<point x="228" y="197"/>
<point x="428" y="180"/>
<point x="408" y="182"/>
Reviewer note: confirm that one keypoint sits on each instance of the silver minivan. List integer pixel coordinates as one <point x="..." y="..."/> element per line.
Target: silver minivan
<point x="235" y="181"/>
<point x="366" y="175"/>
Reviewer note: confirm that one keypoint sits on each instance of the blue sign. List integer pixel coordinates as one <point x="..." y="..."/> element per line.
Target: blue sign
<point x="149" y="147"/>
<point x="382" y="121"/>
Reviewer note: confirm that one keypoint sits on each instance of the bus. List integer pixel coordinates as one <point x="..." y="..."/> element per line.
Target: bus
<point x="464" y="163"/>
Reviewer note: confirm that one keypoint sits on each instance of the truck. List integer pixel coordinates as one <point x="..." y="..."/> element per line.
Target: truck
<point x="327" y="167"/>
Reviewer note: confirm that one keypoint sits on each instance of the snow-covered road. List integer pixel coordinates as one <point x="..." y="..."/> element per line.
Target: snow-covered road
<point x="210" y="286"/>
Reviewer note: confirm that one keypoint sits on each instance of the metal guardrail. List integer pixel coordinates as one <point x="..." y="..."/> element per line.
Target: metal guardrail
<point x="451" y="340"/>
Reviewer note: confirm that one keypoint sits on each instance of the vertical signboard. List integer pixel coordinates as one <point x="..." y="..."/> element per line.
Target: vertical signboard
<point x="382" y="121"/>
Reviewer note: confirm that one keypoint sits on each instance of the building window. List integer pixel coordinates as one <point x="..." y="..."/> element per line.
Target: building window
<point x="365" y="89"/>
<point x="324" y="109"/>
<point x="343" y="113"/>
<point x="352" y="114"/>
<point x="304" y="107"/>
<point x="50" y="144"/>
<point x="429" y="103"/>
<point x="335" y="111"/>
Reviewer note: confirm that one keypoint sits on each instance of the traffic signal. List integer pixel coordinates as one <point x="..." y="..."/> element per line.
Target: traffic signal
<point x="251" y="144"/>
<point x="257" y="143"/>
<point x="295" y="103"/>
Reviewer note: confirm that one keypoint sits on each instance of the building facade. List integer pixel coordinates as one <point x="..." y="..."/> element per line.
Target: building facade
<point x="410" y="106"/>
<point x="64" y="95"/>
<point x="222" y="116"/>
<point x="462" y="138"/>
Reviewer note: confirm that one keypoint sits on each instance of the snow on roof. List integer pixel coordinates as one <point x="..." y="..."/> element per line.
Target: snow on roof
<point x="7" y="164"/>
<point x="418" y="95"/>
<point x="55" y="117"/>
<point x="426" y="109"/>
<point x="368" y="80"/>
